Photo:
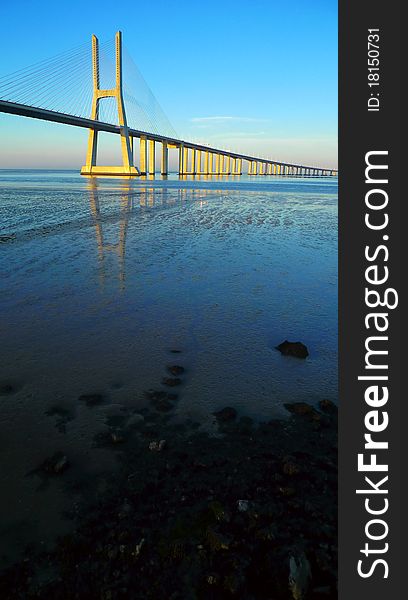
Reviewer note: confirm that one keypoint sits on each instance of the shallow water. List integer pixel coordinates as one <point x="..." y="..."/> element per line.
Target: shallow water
<point x="102" y="279"/>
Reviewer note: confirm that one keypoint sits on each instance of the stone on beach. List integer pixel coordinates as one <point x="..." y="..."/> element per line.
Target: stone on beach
<point x="297" y="349"/>
<point x="175" y="369"/>
<point x="225" y="414"/>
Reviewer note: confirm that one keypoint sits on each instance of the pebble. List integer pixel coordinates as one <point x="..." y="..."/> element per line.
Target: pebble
<point x="157" y="446"/>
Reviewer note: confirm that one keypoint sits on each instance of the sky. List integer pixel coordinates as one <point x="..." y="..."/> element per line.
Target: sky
<point x="258" y="77"/>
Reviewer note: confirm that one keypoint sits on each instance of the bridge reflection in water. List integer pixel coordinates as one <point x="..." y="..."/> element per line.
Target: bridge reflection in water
<point x="144" y="197"/>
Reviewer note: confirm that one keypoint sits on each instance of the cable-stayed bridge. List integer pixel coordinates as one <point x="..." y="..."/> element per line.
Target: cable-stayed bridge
<point x="91" y="90"/>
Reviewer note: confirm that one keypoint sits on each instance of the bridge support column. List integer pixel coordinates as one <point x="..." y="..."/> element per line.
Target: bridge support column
<point x="206" y="156"/>
<point x="222" y="162"/>
<point x="198" y="162"/>
<point x="193" y="161"/>
<point x="127" y="168"/>
<point x="151" y="157"/>
<point x="164" y="159"/>
<point x="185" y="161"/>
<point x="210" y="163"/>
<point x="228" y="165"/>
<point x="143" y="155"/>
<point x="180" y="153"/>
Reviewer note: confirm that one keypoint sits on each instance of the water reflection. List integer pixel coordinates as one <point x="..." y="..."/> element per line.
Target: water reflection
<point x="119" y="247"/>
<point x="145" y="197"/>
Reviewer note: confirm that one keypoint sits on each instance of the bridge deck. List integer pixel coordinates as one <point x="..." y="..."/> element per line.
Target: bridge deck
<point x="57" y="117"/>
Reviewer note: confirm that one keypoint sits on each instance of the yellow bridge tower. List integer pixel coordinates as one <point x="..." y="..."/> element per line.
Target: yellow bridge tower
<point x="90" y="167"/>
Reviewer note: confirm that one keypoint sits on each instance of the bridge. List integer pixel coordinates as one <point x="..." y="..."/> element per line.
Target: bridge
<point x="36" y="92"/>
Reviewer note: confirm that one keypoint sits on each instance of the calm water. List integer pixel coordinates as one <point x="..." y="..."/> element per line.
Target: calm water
<point x="100" y="280"/>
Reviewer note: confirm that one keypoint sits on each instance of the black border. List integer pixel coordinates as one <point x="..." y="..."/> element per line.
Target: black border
<point x="359" y="132"/>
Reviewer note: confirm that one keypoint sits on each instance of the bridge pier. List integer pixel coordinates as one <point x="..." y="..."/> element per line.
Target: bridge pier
<point x="210" y="163"/>
<point x="206" y="154"/>
<point x="143" y="155"/>
<point x="152" y="148"/>
<point x="90" y="167"/>
<point x="185" y="160"/>
<point x="164" y="159"/>
<point x="193" y="161"/>
<point x="198" y="162"/>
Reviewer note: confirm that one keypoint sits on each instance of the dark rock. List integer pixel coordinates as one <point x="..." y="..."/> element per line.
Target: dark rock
<point x="7" y="238"/>
<point x="300" y="408"/>
<point x="91" y="399"/>
<point x="299" y="576"/>
<point x="327" y="406"/>
<point x="175" y="369"/>
<point x="290" y="468"/>
<point x="56" y="464"/>
<point x="117" y="437"/>
<point x="157" y="446"/>
<point x="296" y="349"/>
<point x="226" y="414"/>
<point x="171" y="381"/>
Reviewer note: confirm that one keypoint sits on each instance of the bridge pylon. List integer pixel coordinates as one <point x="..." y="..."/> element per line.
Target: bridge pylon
<point x="91" y="168"/>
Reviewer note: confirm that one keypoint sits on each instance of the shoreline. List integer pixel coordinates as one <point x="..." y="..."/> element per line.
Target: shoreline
<point x="251" y="513"/>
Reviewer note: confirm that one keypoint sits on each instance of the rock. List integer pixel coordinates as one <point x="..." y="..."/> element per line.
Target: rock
<point x="299" y="576"/>
<point x="225" y="414"/>
<point x="7" y="238"/>
<point x="56" y="464"/>
<point x="296" y="349"/>
<point x="290" y="468"/>
<point x="138" y="548"/>
<point x="157" y="446"/>
<point x="287" y="491"/>
<point x="300" y="408"/>
<point x="327" y="406"/>
<point x="243" y="505"/>
<point x="171" y="381"/>
<point x="161" y="400"/>
<point x="61" y="465"/>
<point x="175" y="369"/>
<point x="91" y="399"/>
<point x="117" y="437"/>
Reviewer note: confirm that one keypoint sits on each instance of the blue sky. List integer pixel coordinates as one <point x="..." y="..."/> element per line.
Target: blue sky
<point x="256" y="76"/>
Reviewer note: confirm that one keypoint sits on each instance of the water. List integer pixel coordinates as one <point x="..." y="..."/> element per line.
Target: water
<point x="101" y="280"/>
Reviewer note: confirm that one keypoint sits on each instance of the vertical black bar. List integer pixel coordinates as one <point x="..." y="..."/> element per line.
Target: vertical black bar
<point x="362" y="131"/>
